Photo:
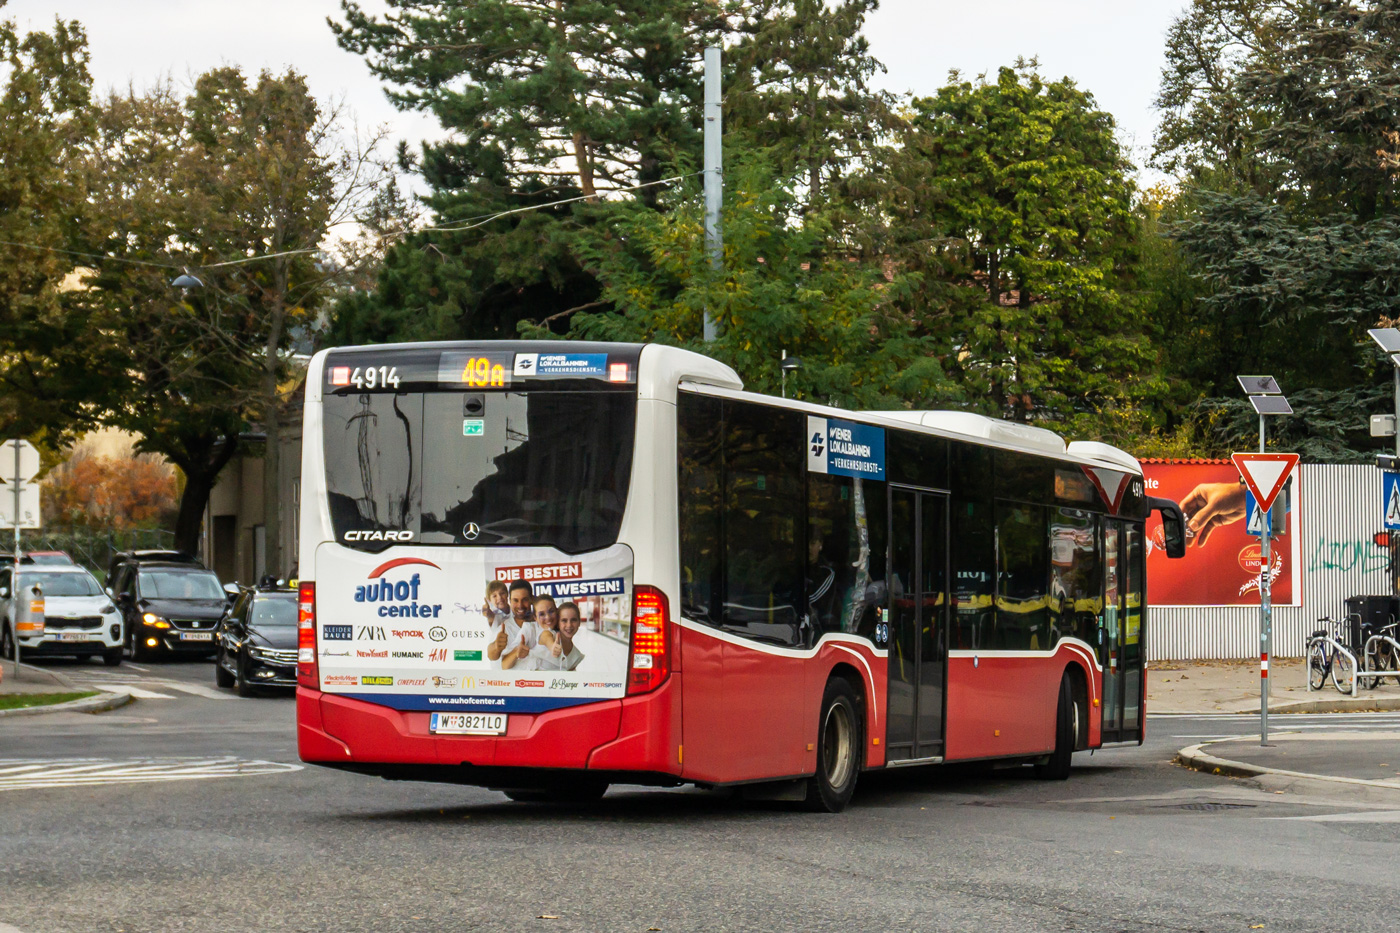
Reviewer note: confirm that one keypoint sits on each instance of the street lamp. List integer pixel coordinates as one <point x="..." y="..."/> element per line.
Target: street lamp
<point x="790" y="364"/>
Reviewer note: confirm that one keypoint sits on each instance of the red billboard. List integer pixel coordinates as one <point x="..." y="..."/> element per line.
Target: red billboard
<point x="1221" y="566"/>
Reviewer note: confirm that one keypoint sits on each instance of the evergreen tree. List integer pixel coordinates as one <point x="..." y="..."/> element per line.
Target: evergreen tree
<point x="1294" y="223"/>
<point x="543" y="103"/>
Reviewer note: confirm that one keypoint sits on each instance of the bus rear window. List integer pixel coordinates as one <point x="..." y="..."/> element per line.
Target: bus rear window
<point x="529" y="468"/>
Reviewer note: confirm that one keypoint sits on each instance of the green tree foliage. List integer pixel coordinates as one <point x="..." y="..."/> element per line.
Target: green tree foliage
<point x="799" y="91"/>
<point x="232" y="172"/>
<point x="548" y="102"/>
<point x="1282" y="122"/>
<point x="52" y="383"/>
<point x="1011" y="202"/>
<point x="544" y="102"/>
<point x="781" y="287"/>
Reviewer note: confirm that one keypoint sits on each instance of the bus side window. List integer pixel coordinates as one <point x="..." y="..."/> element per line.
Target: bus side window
<point x="1022" y="578"/>
<point x="971" y="471"/>
<point x="845" y="554"/>
<point x="764" y="465"/>
<point x="699" y="432"/>
<point x="1076" y="575"/>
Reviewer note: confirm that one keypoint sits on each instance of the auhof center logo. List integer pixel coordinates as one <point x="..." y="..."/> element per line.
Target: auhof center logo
<point x="398" y="599"/>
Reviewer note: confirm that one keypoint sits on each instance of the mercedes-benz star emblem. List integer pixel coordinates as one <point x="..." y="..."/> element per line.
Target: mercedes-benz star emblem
<point x="471" y="530"/>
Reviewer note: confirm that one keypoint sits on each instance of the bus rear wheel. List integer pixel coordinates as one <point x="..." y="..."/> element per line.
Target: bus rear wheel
<point x="1056" y="768"/>
<point x="839" y="745"/>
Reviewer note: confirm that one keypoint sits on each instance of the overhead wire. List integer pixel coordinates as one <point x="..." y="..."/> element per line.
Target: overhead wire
<point x="481" y="220"/>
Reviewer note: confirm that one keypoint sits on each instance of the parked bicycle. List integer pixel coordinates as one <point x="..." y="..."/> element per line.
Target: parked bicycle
<point x="1328" y="656"/>
<point x="1381" y="657"/>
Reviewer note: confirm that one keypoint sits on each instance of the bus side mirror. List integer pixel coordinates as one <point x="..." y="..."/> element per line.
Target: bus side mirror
<point x="1173" y="527"/>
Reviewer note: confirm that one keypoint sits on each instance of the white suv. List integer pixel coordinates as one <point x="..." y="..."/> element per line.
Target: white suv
<point x="77" y="617"/>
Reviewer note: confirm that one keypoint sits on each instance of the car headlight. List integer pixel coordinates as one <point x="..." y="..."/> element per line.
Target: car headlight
<point x="154" y="620"/>
<point x="258" y="652"/>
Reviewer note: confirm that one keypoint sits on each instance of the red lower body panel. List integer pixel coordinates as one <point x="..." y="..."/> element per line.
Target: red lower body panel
<point x="634" y="734"/>
<point x="1003" y="706"/>
<point x="752" y="714"/>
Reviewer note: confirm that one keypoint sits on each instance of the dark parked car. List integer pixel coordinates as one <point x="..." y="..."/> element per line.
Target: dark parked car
<point x="122" y="558"/>
<point x="256" y="642"/>
<point x="168" y="607"/>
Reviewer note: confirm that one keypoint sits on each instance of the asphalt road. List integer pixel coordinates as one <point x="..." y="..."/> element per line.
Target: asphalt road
<point x="183" y="812"/>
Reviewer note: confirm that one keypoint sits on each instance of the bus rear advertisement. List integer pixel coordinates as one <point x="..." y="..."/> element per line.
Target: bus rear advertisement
<point x="552" y="567"/>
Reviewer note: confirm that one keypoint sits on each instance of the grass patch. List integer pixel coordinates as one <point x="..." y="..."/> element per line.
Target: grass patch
<point x="22" y="700"/>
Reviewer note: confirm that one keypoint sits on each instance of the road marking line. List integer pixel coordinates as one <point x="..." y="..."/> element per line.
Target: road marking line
<point x="88" y="772"/>
<point x="1378" y="816"/>
<point x="141" y="694"/>
<point x="198" y="690"/>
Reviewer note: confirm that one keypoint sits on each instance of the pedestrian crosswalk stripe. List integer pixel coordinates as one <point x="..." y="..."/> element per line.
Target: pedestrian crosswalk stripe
<point x="38" y="773"/>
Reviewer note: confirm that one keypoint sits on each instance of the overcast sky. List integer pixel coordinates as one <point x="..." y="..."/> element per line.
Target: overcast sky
<point x="1112" y="48"/>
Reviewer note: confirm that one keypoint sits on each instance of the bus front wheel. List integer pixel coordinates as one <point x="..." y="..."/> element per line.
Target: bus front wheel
<point x="1056" y="767"/>
<point x="839" y="745"/>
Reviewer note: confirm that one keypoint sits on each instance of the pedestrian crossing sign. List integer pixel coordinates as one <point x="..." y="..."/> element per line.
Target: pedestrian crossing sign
<point x="1390" y="499"/>
<point x="1256" y="519"/>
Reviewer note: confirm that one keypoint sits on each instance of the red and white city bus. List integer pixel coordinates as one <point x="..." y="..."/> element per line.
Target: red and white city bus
<point x="548" y="567"/>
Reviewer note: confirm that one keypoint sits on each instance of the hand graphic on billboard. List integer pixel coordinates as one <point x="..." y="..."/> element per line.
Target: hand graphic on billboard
<point x="1211" y="505"/>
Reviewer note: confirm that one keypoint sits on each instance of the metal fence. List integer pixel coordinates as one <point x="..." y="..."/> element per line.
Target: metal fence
<point x="1339" y="510"/>
<point x="93" y="548"/>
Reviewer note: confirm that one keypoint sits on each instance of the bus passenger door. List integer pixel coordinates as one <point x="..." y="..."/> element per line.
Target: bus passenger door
<point x="1110" y="647"/>
<point x="917" y="614"/>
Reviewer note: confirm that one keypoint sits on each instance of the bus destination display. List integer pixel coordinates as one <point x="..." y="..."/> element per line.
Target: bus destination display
<point x="485" y="370"/>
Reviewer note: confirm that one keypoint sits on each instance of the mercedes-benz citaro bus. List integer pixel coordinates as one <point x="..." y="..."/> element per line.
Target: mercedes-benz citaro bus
<point x="548" y="567"/>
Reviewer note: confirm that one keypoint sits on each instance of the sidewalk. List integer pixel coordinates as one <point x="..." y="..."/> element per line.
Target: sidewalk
<point x="1233" y="687"/>
<point x="33" y="679"/>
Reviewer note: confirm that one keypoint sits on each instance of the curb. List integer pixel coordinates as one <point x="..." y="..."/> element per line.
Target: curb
<point x="1194" y="758"/>
<point x="1359" y="705"/>
<point x="98" y="704"/>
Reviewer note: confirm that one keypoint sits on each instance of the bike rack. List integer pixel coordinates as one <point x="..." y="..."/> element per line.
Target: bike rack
<point x="1377" y="674"/>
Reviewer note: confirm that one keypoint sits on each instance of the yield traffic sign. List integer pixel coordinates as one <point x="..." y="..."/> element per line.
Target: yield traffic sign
<point x="1265" y="474"/>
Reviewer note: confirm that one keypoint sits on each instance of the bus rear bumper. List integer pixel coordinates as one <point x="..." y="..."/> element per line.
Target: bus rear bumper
<point x="632" y="736"/>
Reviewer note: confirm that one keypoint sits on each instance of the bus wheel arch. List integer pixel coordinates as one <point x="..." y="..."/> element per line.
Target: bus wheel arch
<point x="1079" y="692"/>
<point x="840" y="744"/>
<point x="861" y="689"/>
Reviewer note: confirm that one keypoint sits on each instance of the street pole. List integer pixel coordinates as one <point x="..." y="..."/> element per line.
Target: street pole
<point x="1266" y="586"/>
<point x="714" y="177"/>
<point x="14" y="574"/>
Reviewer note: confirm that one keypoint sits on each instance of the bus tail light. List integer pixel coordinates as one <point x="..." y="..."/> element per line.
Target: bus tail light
<point x="651" y="637"/>
<point x="307" y="673"/>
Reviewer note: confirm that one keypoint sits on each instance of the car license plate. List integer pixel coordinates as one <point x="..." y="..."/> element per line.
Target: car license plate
<point x="468" y="723"/>
<point x="73" y="636"/>
<point x="196" y="636"/>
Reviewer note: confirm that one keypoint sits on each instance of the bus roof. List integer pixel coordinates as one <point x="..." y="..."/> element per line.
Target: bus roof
<point x="667" y="367"/>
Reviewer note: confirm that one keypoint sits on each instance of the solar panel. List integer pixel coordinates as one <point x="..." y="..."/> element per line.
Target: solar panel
<point x="1259" y="385"/>
<point x="1271" y="404"/>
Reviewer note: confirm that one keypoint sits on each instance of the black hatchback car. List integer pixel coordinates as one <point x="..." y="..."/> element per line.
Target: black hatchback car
<point x="168" y="607"/>
<point x="256" y="642"/>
